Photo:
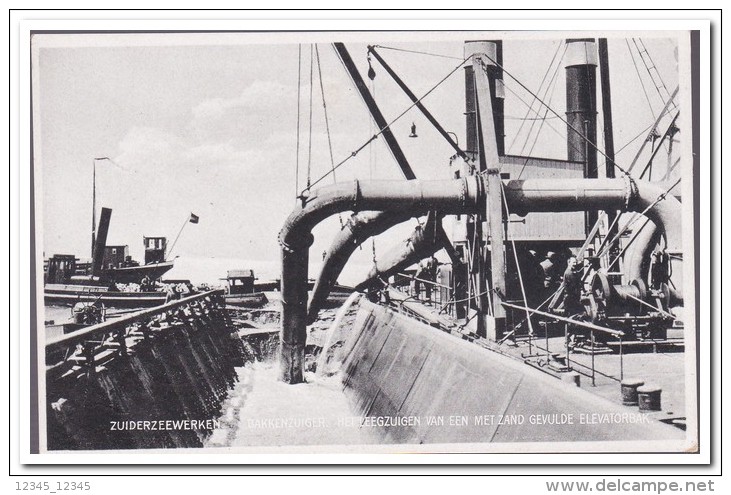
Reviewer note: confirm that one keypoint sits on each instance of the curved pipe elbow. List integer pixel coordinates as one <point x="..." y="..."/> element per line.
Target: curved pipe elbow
<point x="358" y="229"/>
<point x="410" y="197"/>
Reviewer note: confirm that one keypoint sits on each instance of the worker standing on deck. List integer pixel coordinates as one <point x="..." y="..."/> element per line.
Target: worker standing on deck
<point x="572" y="278"/>
<point x="430" y="275"/>
<point x="416" y="279"/>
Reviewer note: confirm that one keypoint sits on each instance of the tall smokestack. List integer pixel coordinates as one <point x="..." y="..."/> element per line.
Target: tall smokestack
<point x="581" y="62"/>
<point x="493" y="61"/>
<point x="100" y="241"/>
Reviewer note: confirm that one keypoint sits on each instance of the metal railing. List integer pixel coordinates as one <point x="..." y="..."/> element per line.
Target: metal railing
<point x="104" y="341"/>
<point x="426" y="291"/>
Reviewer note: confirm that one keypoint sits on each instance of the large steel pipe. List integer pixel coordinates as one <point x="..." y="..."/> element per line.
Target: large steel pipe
<point x="423" y="241"/>
<point x="665" y="217"/>
<point x="546" y="195"/>
<point x="449" y="197"/>
<point x="356" y="231"/>
<point x="412" y="197"/>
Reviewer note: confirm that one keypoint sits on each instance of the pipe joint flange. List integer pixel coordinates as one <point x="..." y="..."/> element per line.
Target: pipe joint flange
<point x="303" y="241"/>
<point x="285" y="247"/>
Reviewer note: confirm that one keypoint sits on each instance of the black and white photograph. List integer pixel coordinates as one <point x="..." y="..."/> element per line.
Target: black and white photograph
<point x="370" y="242"/>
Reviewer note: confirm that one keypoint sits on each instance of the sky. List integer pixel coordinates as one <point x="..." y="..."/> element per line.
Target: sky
<point x="208" y="125"/>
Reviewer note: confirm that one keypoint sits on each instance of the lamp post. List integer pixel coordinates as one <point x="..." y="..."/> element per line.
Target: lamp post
<point x="93" y="201"/>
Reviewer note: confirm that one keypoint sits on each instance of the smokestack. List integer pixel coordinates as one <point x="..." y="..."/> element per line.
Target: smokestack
<point x="100" y="241"/>
<point x="581" y="62"/>
<point x="493" y="61"/>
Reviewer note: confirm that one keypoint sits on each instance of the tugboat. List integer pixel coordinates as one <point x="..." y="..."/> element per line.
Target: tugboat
<point x="68" y="283"/>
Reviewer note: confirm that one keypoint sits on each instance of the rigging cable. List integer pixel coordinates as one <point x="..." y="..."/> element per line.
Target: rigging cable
<point x="637" y="70"/>
<point x="372" y="152"/>
<point x="299" y="92"/>
<point x="327" y="125"/>
<point x="558" y="133"/>
<point x="649" y="70"/>
<point x="647" y="97"/>
<point x="641" y="133"/>
<point x="517" y="263"/>
<point x="540" y="86"/>
<point x="375" y="136"/>
<point x="543" y="120"/>
<point x="545" y="113"/>
<point x="631" y="222"/>
<point x="416" y="51"/>
<point x="309" y="151"/>
<point x="580" y="134"/>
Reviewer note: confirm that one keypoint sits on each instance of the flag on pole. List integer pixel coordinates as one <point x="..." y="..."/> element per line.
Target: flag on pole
<point x="193" y="218"/>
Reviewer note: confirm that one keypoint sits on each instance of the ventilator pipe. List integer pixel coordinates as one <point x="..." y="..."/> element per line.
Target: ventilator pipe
<point x="424" y="241"/>
<point x="413" y="197"/>
<point x="357" y="230"/>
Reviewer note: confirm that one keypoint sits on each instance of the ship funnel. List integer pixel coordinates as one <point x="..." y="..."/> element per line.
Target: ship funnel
<point x="101" y="241"/>
<point x="493" y="59"/>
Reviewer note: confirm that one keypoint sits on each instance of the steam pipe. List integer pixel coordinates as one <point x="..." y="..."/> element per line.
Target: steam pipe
<point x="449" y="197"/>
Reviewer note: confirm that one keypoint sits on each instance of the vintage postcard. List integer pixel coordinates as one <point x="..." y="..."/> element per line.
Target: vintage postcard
<point x="340" y="241"/>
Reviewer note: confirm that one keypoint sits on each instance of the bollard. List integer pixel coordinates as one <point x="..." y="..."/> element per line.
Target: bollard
<point x="629" y="391"/>
<point x="649" y="398"/>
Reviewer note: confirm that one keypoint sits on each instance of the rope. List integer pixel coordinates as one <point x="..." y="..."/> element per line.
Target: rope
<point x="327" y="125"/>
<point x="299" y="92"/>
<point x="375" y="136"/>
<point x="309" y="150"/>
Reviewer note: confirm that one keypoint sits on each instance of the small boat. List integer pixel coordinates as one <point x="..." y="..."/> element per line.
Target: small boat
<point x="134" y="274"/>
<point x="67" y="294"/>
<point x="240" y="289"/>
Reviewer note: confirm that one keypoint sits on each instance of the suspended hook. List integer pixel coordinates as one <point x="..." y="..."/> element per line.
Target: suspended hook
<point x="371" y="72"/>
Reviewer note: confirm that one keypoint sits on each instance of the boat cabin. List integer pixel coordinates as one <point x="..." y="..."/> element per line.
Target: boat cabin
<point x="155" y="249"/>
<point x="240" y="281"/>
<point x="59" y="269"/>
<point x="115" y="256"/>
